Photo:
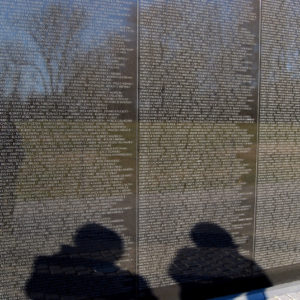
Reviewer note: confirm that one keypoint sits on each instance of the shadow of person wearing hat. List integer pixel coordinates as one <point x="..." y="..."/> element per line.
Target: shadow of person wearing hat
<point x="214" y="267"/>
<point x="86" y="271"/>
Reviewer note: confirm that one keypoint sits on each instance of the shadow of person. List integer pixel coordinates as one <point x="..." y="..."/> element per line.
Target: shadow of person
<point x="86" y="271"/>
<point x="214" y="267"/>
<point x="11" y="157"/>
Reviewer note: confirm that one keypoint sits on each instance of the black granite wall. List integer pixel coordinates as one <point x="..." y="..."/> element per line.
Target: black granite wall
<point x="149" y="149"/>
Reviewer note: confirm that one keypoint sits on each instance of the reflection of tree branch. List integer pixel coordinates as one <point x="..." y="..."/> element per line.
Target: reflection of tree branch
<point x="42" y="77"/>
<point x="15" y="60"/>
<point x="76" y="21"/>
<point x="76" y="75"/>
<point x="54" y="33"/>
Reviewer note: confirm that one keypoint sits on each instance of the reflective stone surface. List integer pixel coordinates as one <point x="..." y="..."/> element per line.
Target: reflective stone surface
<point x="149" y="149"/>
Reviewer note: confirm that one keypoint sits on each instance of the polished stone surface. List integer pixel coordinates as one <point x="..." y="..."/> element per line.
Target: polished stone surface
<point x="148" y="148"/>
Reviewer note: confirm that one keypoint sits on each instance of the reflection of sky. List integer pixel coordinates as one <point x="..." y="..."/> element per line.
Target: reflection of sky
<point x="102" y="19"/>
<point x="12" y="12"/>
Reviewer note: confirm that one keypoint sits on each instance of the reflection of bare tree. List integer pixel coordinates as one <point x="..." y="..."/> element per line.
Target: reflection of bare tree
<point x="72" y="79"/>
<point x="75" y="80"/>
<point x="55" y="34"/>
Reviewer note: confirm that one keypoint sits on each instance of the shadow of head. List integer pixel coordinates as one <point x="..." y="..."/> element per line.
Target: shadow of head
<point x="94" y="238"/>
<point x="211" y="235"/>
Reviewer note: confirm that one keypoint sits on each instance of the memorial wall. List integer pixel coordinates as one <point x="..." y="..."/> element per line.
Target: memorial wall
<point x="149" y="149"/>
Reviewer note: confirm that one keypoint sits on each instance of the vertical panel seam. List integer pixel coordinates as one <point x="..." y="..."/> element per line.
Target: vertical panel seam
<point x="258" y="124"/>
<point x="137" y="140"/>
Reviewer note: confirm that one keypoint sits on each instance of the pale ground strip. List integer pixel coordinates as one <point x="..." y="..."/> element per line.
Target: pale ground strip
<point x="288" y="291"/>
<point x="290" y="296"/>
